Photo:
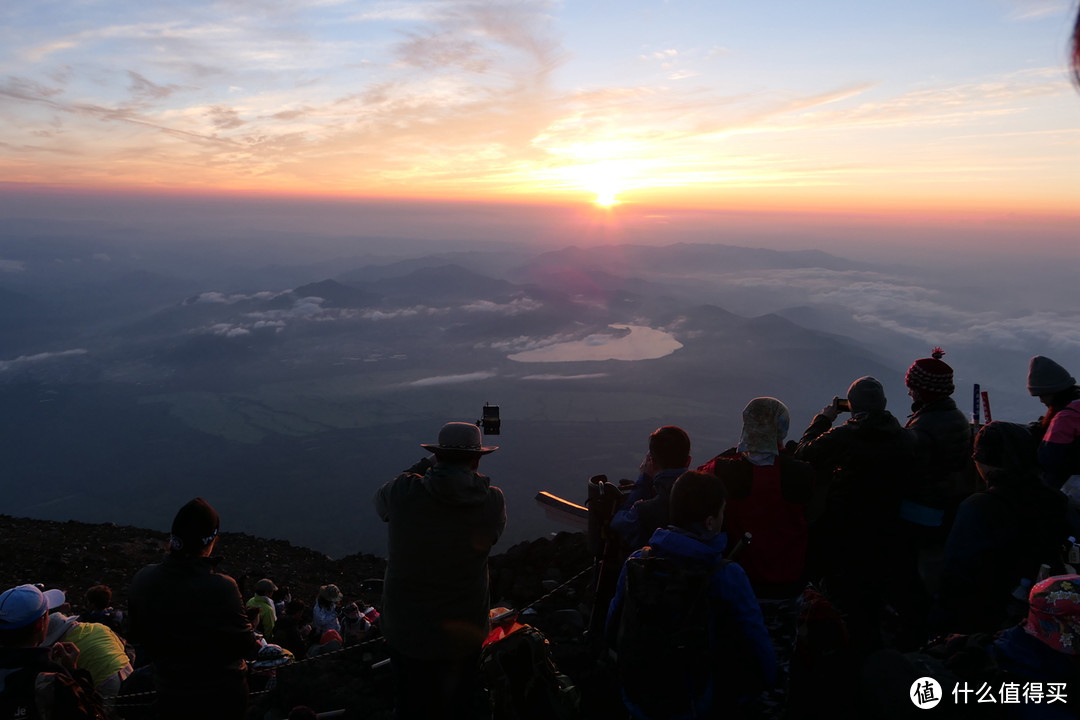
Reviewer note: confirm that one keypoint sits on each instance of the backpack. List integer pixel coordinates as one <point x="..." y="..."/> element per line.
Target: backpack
<point x="666" y="636"/>
<point x="24" y="690"/>
<point x="523" y="681"/>
<point x="822" y="659"/>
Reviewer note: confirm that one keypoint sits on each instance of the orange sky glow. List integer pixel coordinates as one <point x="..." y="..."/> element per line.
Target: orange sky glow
<point x="480" y="102"/>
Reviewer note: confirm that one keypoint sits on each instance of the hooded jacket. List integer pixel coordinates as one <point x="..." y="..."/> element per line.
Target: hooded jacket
<point x="443" y="520"/>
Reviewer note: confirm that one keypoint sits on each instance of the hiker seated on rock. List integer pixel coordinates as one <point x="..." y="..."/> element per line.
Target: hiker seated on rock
<point x="1001" y="535"/>
<point x="324" y="614"/>
<point x="646" y="507"/>
<point x="290" y="631"/>
<point x="354" y="626"/>
<point x="687" y="629"/>
<point x="263" y="601"/>
<point x="101" y="651"/>
<point x="767" y="491"/>
<point x="99" y="600"/>
<point x="1036" y="658"/>
<point x="36" y="680"/>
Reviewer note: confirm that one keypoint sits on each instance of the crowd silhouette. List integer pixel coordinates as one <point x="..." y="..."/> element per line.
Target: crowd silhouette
<point x="868" y="555"/>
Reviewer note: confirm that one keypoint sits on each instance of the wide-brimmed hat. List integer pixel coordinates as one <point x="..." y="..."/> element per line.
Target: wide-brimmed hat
<point x="330" y="593"/>
<point x="460" y="437"/>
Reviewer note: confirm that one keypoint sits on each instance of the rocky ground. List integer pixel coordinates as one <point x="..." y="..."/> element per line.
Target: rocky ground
<point x="548" y="579"/>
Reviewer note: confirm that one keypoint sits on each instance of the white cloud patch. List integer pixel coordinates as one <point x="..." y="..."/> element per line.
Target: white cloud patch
<point x="453" y="379"/>
<point x="12" y="266"/>
<point x="380" y="315"/>
<point x="102" y="257"/>
<point x="514" y="307"/>
<point x="217" y="298"/>
<point x="523" y="342"/>
<point x="39" y="357"/>
<point x="545" y="377"/>
<point x="228" y="330"/>
<point x="932" y="314"/>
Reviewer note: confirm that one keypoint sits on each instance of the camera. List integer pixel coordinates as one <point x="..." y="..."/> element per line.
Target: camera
<point x="843" y="405"/>
<point x="489" y="420"/>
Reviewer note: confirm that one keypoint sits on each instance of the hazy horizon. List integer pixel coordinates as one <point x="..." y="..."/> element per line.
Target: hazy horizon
<point x="231" y="232"/>
<point x="145" y="365"/>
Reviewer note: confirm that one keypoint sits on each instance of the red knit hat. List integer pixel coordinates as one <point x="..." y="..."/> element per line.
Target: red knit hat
<point x="931" y="375"/>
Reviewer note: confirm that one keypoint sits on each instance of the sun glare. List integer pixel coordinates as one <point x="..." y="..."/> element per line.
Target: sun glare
<point x="606" y="197"/>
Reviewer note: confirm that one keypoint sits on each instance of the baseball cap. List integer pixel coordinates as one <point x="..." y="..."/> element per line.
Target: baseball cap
<point x="24" y="604"/>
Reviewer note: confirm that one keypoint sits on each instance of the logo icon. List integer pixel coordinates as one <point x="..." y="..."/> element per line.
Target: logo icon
<point x="925" y="693"/>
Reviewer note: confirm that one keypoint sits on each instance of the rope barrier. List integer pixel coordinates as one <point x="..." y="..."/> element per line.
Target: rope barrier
<point x="536" y="602"/>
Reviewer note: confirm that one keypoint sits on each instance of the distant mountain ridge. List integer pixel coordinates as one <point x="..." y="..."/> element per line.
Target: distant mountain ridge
<point x="292" y="402"/>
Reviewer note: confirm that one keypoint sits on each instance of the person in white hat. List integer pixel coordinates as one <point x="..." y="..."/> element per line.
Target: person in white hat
<point x="443" y="518"/>
<point x="101" y="651"/>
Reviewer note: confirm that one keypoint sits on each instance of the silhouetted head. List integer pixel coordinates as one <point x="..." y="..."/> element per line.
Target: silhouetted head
<point x="194" y="529"/>
<point x="695" y="498"/>
<point x="670" y="448"/>
<point x="265" y="587"/>
<point x="99" y="597"/>
<point x="1051" y="383"/>
<point x="1004" y="453"/>
<point x="866" y="395"/>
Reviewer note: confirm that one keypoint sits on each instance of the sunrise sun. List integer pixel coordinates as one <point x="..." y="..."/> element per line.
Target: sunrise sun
<point x="606" y="197"/>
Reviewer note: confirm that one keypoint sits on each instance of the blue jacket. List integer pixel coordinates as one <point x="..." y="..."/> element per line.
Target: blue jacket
<point x="729" y="584"/>
<point x="645" y="508"/>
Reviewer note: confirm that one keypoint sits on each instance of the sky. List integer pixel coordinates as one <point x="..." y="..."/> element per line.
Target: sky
<point x="953" y="110"/>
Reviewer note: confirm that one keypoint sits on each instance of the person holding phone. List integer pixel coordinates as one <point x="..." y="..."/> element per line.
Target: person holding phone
<point x="646" y="507"/>
<point x="863" y="464"/>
